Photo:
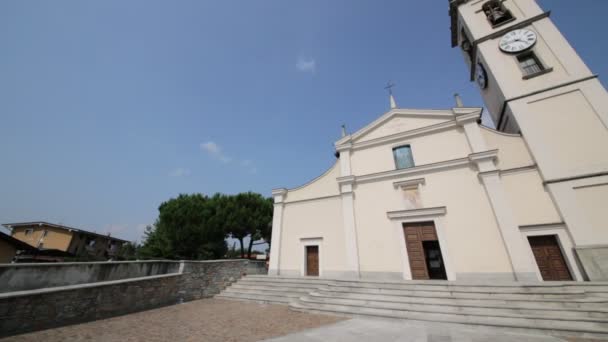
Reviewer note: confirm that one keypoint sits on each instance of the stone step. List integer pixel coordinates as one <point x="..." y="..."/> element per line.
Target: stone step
<point x="595" y="307"/>
<point x="561" y="289"/>
<point x="443" y="286"/>
<point x="266" y="293"/>
<point x="464" y="294"/>
<point x="547" y="284"/>
<point x="280" y="284"/>
<point x="273" y="288"/>
<point x="264" y="299"/>
<point x="452" y="288"/>
<point x="572" y="327"/>
<point x="498" y="311"/>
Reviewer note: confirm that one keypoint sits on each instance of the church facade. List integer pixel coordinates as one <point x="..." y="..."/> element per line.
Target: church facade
<point x="432" y="194"/>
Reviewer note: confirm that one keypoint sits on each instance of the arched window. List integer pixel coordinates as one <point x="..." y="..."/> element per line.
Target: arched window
<point x="496" y="13"/>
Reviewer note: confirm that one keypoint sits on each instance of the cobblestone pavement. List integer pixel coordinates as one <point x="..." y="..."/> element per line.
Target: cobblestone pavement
<point x="208" y="320"/>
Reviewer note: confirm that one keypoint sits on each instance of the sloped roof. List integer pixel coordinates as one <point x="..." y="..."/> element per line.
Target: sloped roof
<point x="18" y="244"/>
<point x="42" y="223"/>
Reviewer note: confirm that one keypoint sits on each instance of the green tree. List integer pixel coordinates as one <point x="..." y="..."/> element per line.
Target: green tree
<point x="188" y="227"/>
<point x="128" y="251"/>
<point x="246" y="214"/>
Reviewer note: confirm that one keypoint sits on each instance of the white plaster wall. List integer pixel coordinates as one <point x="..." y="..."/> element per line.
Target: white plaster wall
<point x="313" y="219"/>
<point x="530" y="201"/>
<point x="565" y="131"/>
<point x="593" y="200"/>
<point x="432" y="148"/>
<point x="473" y="238"/>
<point x="399" y="124"/>
<point x="322" y="186"/>
<point x="512" y="149"/>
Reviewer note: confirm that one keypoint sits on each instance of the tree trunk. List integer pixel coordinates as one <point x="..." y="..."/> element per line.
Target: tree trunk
<point x="242" y="247"/>
<point x="250" y="246"/>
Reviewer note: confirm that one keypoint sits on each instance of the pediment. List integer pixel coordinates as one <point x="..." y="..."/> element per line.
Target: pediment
<point x="398" y="121"/>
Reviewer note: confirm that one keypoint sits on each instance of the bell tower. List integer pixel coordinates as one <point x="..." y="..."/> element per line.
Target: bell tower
<point x="534" y="83"/>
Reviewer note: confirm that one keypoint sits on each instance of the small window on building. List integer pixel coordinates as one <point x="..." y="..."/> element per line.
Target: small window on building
<point x="530" y="64"/>
<point x="403" y="157"/>
<point x="496" y="13"/>
<point x="29" y="231"/>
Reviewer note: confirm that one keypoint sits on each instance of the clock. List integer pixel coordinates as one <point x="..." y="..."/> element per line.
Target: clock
<point x="481" y="76"/>
<point x="517" y="41"/>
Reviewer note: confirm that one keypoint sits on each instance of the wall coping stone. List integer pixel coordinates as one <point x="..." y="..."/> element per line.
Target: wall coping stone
<point x="76" y="263"/>
<point x="46" y="290"/>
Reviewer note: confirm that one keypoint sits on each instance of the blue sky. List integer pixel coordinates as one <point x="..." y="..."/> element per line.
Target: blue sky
<point x="108" y="108"/>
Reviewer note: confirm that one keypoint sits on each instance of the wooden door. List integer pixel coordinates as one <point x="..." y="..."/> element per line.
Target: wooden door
<point x="312" y="261"/>
<point x="415" y="252"/>
<point x="417" y="236"/>
<point x="549" y="258"/>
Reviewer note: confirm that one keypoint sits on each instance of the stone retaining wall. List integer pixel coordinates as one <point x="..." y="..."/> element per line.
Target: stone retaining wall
<point x="20" y="277"/>
<point x="24" y="311"/>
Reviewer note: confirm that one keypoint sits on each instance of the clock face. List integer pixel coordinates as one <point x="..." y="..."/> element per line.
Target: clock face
<point x="517" y="41"/>
<point x="481" y="76"/>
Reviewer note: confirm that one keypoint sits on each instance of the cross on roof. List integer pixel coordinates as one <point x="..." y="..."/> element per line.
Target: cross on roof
<point x="389" y="87"/>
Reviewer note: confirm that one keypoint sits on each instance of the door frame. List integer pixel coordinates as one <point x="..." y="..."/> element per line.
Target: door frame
<point x="563" y="240"/>
<point x="435" y="215"/>
<point x="313" y="241"/>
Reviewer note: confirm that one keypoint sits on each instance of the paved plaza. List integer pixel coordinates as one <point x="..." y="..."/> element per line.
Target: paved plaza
<point x="376" y="330"/>
<point x="208" y="320"/>
<point x="217" y="320"/>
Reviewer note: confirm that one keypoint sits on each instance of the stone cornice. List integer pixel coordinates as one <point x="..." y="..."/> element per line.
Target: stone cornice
<point x="280" y="191"/>
<point x="409" y="184"/>
<point x="416" y="213"/>
<point x="346" y="180"/>
<point x="463" y="117"/>
<point x="399" y="136"/>
<point x="413" y="170"/>
<point x="482" y="156"/>
<point x="279" y="195"/>
<point x="344" y="147"/>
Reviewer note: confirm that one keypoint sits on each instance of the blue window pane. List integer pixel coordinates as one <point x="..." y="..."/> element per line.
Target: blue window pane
<point x="403" y="157"/>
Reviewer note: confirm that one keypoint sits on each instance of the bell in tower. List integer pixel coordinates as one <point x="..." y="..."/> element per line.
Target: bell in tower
<point x="496" y="13"/>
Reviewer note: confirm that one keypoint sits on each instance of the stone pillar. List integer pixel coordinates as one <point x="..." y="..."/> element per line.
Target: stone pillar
<point x="517" y="248"/>
<point x="350" y="227"/>
<point x="277" y="227"/>
<point x="524" y="268"/>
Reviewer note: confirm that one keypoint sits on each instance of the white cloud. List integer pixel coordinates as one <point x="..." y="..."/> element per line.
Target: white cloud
<point x="306" y="65"/>
<point x="215" y="151"/>
<point x="180" y="172"/>
<point x="210" y="147"/>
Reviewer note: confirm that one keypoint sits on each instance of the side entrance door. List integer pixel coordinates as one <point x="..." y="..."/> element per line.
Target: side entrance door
<point x="312" y="261"/>
<point x="424" y="253"/>
<point x="549" y="258"/>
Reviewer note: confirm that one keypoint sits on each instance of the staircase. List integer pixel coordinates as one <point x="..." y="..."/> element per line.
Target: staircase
<point x="562" y="308"/>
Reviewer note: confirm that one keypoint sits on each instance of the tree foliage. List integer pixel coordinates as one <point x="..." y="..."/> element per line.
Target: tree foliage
<point x="188" y="227"/>
<point x="247" y="214"/>
<point x="195" y="226"/>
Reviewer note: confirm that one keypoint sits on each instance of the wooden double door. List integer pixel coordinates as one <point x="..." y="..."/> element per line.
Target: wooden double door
<point x="424" y="252"/>
<point x="549" y="258"/>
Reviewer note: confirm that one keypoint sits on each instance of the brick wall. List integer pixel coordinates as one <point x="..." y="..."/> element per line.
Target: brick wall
<point x="25" y="311"/>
